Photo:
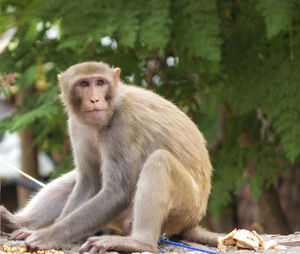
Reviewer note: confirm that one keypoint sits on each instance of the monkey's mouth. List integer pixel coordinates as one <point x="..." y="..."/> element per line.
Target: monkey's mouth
<point x="95" y="114"/>
<point x="95" y="110"/>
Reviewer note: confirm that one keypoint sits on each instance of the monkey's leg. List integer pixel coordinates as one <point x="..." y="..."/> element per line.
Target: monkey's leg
<point x="166" y="201"/>
<point x="45" y="206"/>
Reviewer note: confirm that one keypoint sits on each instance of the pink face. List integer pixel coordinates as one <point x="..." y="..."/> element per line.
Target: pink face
<point x="91" y="96"/>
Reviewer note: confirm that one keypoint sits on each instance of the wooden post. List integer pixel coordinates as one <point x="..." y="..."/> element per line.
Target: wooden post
<point x="29" y="162"/>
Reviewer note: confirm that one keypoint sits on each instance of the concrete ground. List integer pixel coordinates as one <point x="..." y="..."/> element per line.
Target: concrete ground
<point x="293" y="239"/>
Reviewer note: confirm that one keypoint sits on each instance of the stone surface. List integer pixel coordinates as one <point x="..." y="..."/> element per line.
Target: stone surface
<point x="295" y="238"/>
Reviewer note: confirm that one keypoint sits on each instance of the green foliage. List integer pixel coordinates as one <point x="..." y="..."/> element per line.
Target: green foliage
<point x="64" y="167"/>
<point x="269" y="164"/>
<point x="234" y="71"/>
<point x="196" y="29"/>
<point x="47" y="110"/>
<point x="229" y="165"/>
<point x="278" y="14"/>
<point x="264" y="76"/>
<point x="155" y="23"/>
<point x="260" y="86"/>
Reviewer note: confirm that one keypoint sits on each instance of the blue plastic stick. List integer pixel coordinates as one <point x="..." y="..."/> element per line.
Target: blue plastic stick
<point x="162" y="240"/>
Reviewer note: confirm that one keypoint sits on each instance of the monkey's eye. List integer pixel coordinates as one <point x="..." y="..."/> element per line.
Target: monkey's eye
<point x="100" y="82"/>
<point x="84" y="83"/>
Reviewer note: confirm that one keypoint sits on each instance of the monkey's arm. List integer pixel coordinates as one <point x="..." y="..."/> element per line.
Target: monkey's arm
<point x="79" y="194"/>
<point x="43" y="208"/>
<point x="91" y="215"/>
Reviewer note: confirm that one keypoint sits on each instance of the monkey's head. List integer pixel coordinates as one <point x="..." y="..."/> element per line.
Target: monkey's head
<point x="88" y="91"/>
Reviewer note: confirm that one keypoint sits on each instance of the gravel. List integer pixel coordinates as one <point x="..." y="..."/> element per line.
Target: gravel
<point x="295" y="238"/>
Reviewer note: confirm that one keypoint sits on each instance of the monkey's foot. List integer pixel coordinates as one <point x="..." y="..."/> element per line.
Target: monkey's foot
<point x="117" y="243"/>
<point x="20" y="234"/>
<point x="7" y="221"/>
<point x="43" y="239"/>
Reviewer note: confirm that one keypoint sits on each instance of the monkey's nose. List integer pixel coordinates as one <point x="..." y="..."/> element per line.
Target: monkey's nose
<point x="94" y="100"/>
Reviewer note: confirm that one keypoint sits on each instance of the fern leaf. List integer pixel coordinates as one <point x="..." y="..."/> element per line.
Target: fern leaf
<point x="197" y="31"/>
<point x="278" y="14"/>
<point x="29" y="117"/>
<point x="155" y="25"/>
<point x="128" y="24"/>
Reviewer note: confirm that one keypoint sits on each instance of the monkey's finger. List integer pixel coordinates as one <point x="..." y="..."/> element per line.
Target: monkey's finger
<point x="30" y="239"/>
<point x="85" y="247"/>
<point x="30" y="247"/>
<point x="93" y="239"/>
<point x="93" y="250"/>
<point x="23" y="235"/>
<point x="102" y="246"/>
<point x="102" y="251"/>
<point x="20" y="234"/>
<point x="14" y="235"/>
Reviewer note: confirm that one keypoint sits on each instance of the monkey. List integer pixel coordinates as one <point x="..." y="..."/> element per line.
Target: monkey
<point x="42" y="209"/>
<point x="141" y="164"/>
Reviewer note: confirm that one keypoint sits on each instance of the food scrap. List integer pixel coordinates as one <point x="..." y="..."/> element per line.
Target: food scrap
<point x="244" y="239"/>
<point x="22" y="250"/>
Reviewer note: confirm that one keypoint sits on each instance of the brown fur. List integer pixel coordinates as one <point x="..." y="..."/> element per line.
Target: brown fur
<point x="145" y="162"/>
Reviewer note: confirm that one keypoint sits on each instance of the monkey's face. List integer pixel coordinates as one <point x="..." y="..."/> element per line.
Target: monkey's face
<point x="90" y="97"/>
<point x="88" y="91"/>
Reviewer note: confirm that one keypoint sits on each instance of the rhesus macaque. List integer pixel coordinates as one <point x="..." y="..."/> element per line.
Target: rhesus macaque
<point x="141" y="165"/>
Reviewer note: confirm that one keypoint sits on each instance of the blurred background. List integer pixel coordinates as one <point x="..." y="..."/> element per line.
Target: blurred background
<point x="231" y="65"/>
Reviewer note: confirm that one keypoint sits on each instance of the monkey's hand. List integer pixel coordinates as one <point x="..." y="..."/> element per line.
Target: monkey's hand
<point x="43" y="239"/>
<point x="8" y="221"/>
<point x="20" y="234"/>
<point x="117" y="243"/>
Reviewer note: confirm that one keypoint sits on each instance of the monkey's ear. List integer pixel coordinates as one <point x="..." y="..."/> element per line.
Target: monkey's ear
<point x="117" y="72"/>
<point x="59" y="77"/>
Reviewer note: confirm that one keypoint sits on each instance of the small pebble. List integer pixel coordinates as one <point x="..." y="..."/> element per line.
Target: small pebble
<point x="146" y="252"/>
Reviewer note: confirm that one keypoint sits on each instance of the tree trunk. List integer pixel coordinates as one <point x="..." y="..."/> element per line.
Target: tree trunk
<point x="274" y="220"/>
<point x="29" y="161"/>
<point x="29" y="164"/>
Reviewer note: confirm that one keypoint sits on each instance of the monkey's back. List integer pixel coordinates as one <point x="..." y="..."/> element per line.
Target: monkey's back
<point x="156" y="123"/>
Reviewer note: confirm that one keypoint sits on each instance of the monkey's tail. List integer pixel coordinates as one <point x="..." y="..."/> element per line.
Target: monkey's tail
<point x="201" y="235"/>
